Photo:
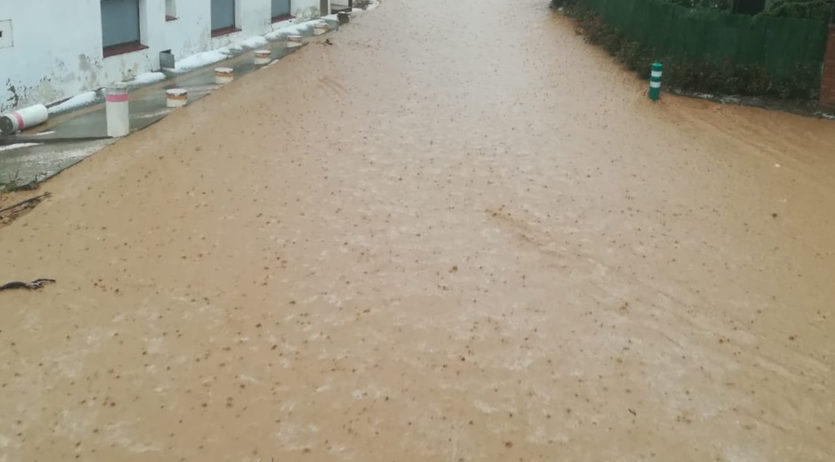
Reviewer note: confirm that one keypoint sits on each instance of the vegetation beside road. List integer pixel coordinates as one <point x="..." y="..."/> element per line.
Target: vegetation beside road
<point x="706" y="49"/>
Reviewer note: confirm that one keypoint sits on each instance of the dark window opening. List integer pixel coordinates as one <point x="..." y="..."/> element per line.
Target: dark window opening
<point x="223" y="17"/>
<point x="120" y="26"/>
<point x="170" y="10"/>
<point x="114" y="50"/>
<point x="341" y="6"/>
<point x="224" y="31"/>
<point x="281" y="10"/>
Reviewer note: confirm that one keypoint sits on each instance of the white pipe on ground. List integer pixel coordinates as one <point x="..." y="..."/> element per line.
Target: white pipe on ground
<point x="117" y="110"/>
<point x="22" y="119"/>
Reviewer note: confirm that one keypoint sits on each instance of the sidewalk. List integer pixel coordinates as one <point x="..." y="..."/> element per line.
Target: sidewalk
<point x="41" y="152"/>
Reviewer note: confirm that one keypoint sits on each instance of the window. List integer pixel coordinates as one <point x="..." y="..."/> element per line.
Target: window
<point x="120" y="26"/>
<point x="223" y="17"/>
<point x="281" y="10"/>
<point x="170" y="10"/>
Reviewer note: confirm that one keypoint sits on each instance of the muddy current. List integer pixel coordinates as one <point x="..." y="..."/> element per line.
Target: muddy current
<point x="459" y="233"/>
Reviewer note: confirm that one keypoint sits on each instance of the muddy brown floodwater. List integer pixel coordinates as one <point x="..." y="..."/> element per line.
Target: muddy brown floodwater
<point x="458" y="234"/>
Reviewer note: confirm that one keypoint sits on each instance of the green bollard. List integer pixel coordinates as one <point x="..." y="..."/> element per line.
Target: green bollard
<point x="655" y="81"/>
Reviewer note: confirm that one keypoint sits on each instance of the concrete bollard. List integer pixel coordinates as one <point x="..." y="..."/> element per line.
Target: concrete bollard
<point x="294" y="41"/>
<point x="16" y="121"/>
<point x="320" y="28"/>
<point x="176" y="97"/>
<point x="655" y="81"/>
<point x="224" y="75"/>
<point x="262" y="57"/>
<point x="117" y="110"/>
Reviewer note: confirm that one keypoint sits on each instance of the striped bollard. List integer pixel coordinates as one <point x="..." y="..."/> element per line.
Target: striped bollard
<point x="176" y="97"/>
<point x="655" y="81"/>
<point x="320" y="28"/>
<point x="262" y="57"/>
<point x="117" y="110"/>
<point x="294" y="41"/>
<point x="224" y="75"/>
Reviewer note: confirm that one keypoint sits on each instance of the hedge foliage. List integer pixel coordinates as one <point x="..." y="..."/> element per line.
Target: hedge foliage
<point x="702" y="75"/>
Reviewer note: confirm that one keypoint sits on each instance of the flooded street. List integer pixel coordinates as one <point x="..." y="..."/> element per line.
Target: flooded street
<point x="457" y="234"/>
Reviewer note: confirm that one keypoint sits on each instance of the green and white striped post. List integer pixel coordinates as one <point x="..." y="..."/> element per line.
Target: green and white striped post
<point x="655" y="81"/>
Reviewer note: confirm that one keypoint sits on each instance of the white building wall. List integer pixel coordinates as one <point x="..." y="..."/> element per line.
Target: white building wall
<point x="56" y="47"/>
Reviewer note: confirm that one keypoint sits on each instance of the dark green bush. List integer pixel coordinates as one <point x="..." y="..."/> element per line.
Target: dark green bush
<point x="809" y="9"/>
<point x="702" y="76"/>
<point x="709" y="4"/>
<point x="562" y="3"/>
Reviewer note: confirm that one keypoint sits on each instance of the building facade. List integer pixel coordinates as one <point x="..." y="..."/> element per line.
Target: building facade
<point x="50" y="50"/>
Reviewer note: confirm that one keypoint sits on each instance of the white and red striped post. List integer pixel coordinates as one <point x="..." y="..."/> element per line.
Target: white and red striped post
<point x="294" y="41"/>
<point x="118" y="110"/>
<point x="224" y="75"/>
<point x="320" y="27"/>
<point x="262" y="57"/>
<point x="176" y="97"/>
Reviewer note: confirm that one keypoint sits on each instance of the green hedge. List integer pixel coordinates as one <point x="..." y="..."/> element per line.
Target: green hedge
<point x="814" y="9"/>
<point x="709" y="50"/>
